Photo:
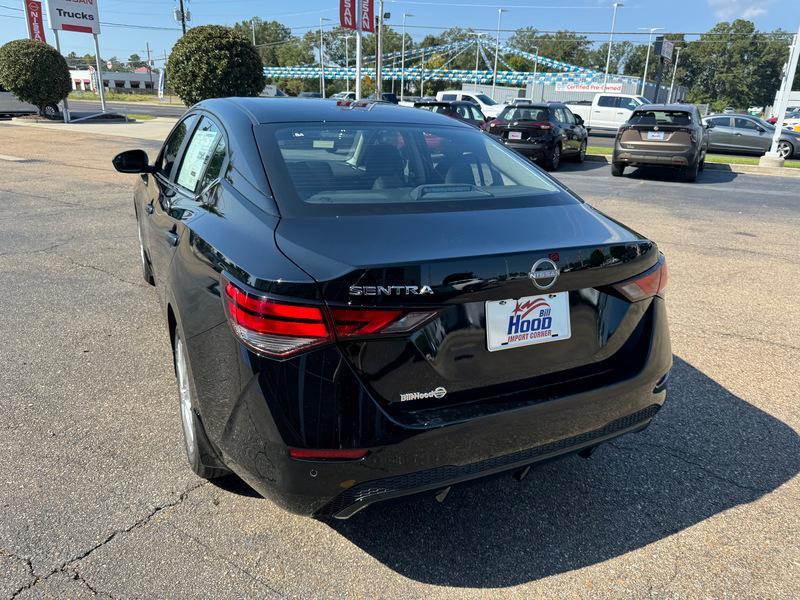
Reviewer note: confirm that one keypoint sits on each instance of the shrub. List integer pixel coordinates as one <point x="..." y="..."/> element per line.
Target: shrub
<point x="34" y="72"/>
<point x="212" y="61"/>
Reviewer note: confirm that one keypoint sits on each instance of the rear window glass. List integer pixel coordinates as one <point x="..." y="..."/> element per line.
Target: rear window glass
<point x="660" y="117"/>
<point x="354" y="167"/>
<point x="516" y="113"/>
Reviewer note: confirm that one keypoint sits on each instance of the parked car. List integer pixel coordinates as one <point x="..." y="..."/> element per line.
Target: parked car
<point x="488" y="106"/>
<point x="728" y="110"/>
<point x="11" y="106"/>
<point x="667" y="135"/>
<point x="545" y="131"/>
<point x="790" y="114"/>
<point x="344" y="96"/>
<point x="606" y="112"/>
<point x="356" y="323"/>
<point x="463" y="111"/>
<point x="750" y="135"/>
<point x="385" y="97"/>
<point x="309" y="95"/>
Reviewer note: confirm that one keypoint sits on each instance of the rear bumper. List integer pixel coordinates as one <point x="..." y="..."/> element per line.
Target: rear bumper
<point x="406" y="460"/>
<point x="633" y="156"/>
<point x="531" y="149"/>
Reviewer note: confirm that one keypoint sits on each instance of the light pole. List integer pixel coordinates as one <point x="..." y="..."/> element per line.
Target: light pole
<point x="403" y="58"/>
<point x="500" y="12"/>
<point x="347" y="60"/>
<point x="253" y="27"/>
<point x="535" y="65"/>
<point x="652" y="30"/>
<point x="674" y="70"/>
<point x="611" y="41"/>
<point x="322" y="57"/>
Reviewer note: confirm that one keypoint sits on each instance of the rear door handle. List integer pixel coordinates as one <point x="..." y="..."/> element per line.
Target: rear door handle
<point x="148" y="208"/>
<point x="172" y="238"/>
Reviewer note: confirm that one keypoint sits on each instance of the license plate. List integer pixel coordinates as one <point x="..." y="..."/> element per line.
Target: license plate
<point x="527" y="321"/>
<point x="515" y="135"/>
<point x="655" y="135"/>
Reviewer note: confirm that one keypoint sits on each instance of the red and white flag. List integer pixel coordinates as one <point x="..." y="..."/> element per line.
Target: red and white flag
<point x="33" y="17"/>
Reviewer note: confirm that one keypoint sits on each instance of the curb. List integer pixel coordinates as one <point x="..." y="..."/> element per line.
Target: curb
<point x="730" y="168"/>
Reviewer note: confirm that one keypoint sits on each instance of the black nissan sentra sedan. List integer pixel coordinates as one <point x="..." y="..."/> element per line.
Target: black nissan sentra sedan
<point x="367" y="301"/>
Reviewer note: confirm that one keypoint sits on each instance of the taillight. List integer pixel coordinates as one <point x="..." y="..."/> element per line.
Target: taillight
<point x="652" y="282"/>
<point x="272" y="327"/>
<point x="279" y="328"/>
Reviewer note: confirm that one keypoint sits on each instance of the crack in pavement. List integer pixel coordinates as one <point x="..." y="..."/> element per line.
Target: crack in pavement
<point x="98" y="269"/>
<point x="38" y="250"/>
<point x="68" y="567"/>
<point x="28" y="565"/>
<point x="674" y="453"/>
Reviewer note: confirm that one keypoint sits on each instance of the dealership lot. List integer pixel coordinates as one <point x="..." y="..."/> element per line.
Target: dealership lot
<point x="97" y="498"/>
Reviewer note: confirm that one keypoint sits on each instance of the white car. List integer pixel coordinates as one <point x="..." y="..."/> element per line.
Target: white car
<point x="11" y="106"/>
<point x="489" y="107"/>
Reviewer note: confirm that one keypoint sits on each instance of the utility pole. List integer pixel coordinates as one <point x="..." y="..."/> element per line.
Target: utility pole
<point x="403" y="58"/>
<point x="674" y="70"/>
<point x="149" y="66"/>
<point x="253" y="27"/>
<point x="500" y="12"/>
<point x="322" y="57"/>
<point x="652" y="30"/>
<point x="183" y="18"/>
<point x="535" y="66"/>
<point x="379" y="52"/>
<point x="422" y="75"/>
<point x="611" y="42"/>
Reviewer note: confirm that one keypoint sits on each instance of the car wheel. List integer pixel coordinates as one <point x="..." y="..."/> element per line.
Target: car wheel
<point x="785" y="149"/>
<point x="198" y="449"/>
<point x="617" y="170"/>
<point x="690" y="172"/>
<point x="581" y="153"/>
<point x="50" y="111"/>
<point x="551" y="163"/>
<point x="147" y="270"/>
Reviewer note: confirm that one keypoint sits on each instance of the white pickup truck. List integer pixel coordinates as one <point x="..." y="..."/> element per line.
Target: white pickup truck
<point x="606" y="111"/>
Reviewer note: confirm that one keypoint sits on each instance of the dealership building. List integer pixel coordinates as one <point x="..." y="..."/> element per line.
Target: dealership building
<point x="140" y="80"/>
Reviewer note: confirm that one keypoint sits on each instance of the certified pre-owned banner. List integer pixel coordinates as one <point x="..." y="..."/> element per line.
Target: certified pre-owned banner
<point x="347" y="13"/>
<point x="367" y="15"/>
<point x="33" y="16"/>
<point x="74" y="15"/>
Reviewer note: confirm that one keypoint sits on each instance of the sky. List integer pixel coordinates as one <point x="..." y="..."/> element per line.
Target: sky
<point x="158" y="27"/>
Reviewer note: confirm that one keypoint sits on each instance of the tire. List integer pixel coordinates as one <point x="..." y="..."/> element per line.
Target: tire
<point x="581" y="156"/>
<point x="785" y="149"/>
<point x="690" y="172"/>
<point x="617" y="170"/>
<point x="51" y="111"/>
<point x="199" y="451"/>
<point x="147" y="269"/>
<point x="551" y="163"/>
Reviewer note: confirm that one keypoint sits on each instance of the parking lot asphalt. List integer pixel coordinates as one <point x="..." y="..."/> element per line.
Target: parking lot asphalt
<point x="97" y="499"/>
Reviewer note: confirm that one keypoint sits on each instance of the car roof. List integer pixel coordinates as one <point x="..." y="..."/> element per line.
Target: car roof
<point x="543" y="105"/>
<point x="288" y="110"/>
<point x="673" y="106"/>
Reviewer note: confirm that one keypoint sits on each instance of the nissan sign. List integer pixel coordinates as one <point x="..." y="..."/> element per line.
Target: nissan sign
<point x="74" y="15"/>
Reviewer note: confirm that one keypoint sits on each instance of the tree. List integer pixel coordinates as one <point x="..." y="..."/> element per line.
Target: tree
<point x="734" y="65"/>
<point x="212" y="61"/>
<point x="34" y="72"/>
<point x="564" y="46"/>
<point x="135" y="61"/>
<point x="269" y="36"/>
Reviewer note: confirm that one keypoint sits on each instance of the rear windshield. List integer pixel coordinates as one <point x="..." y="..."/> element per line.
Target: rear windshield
<point x="340" y="168"/>
<point x="517" y="113"/>
<point x="661" y="117"/>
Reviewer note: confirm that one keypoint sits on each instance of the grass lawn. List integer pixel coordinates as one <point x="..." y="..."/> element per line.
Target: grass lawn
<point x="138" y="117"/>
<point x="121" y="97"/>
<point x="725" y="159"/>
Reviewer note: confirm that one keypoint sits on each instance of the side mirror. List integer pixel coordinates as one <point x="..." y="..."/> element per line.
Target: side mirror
<point x="709" y="124"/>
<point x="579" y="119"/>
<point x="760" y="129"/>
<point x="133" y="161"/>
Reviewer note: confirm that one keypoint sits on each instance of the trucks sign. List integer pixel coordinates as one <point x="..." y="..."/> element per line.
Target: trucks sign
<point x="74" y="15"/>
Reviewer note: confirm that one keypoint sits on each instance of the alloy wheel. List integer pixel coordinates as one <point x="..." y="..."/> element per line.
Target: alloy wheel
<point x="784" y="149"/>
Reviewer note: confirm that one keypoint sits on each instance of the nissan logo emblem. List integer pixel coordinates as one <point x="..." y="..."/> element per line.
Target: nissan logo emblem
<point x="544" y="273"/>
